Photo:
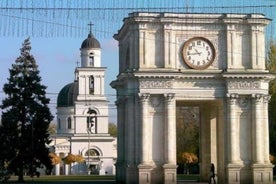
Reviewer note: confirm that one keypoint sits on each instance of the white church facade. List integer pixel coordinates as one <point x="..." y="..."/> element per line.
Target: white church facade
<point x="215" y="62"/>
<point x="82" y="118"/>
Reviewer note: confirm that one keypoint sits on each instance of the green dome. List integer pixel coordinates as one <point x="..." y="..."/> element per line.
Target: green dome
<point x="67" y="95"/>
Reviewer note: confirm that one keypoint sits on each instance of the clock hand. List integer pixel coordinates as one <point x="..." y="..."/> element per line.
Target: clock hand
<point x="197" y="52"/>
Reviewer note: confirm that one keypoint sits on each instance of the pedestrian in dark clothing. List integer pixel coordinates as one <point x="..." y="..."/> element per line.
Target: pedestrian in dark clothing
<point x="212" y="175"/>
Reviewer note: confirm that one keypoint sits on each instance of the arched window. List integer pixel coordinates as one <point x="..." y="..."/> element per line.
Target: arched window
<point x="92" y="121"/>
<point x="59" y="124"/>
<point x="91" y="59"/>
<point x="91" y="84"/>
<point x="69" y="123"/>
<point x="92" y="152"/>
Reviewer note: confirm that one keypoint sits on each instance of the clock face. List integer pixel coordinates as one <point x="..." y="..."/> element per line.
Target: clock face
<point x="198" y="53"/>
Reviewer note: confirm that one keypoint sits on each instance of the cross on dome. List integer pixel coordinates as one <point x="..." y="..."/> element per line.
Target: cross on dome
<point x="90" y="41"/>
<point x="90" y="27"/>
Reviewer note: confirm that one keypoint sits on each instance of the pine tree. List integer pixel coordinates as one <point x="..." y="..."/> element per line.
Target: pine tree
<point x="25" y="118"/>
<point x="271" y="65"/>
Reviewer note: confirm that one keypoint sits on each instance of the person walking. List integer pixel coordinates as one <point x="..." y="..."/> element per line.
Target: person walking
<point x="212" y="174"/>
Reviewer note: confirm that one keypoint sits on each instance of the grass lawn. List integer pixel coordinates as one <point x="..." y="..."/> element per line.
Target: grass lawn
<point x="64" y="179"/>
<point x="93" y="179"/>
<point x="84" y="179"/>
<point x="190" y="177"/>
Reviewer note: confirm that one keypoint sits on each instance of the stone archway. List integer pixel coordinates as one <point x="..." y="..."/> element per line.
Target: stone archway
<point x="211" y="134"/>
<point x="230" y="87"/>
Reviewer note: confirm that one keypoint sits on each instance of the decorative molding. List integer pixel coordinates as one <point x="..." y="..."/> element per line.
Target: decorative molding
<point x="167" y="26"/>
<point x="155" y="84"/>
<point x="266" y="98"/>
<point x="257" y="97"/>
<point x="169" y="97"/>
<point x="244" y="85"/>
<point x="243" y="102"/>
<point x="155" y="102"/>
<point x="142" y="26"/>
<point x="144" y="97"/>
<point x="59" y="148"/>
<point x="120" y="101"/>
<point x="232" y="97"/>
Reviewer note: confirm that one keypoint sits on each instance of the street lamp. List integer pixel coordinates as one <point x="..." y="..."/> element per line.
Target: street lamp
<point x="90" y="129"/>
<point x="88" y="151"/>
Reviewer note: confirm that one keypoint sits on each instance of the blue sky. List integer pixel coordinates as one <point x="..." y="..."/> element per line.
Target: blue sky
<point x="56" y="36"/>
<point x="57" y="59"/>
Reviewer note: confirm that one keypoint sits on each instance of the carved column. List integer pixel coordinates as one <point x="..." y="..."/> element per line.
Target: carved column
<point x="120" y="164"/>
<point x="145" y="167"/>
<point x="144" y="100"/>
<point x="233" y="139"/>
<point x="257" y="47"/>
<point x="231" y="40"/>
<point x="57" y="169"/>
<point x="170" y="132"/>
<point x="170" y="140"/>
<point x="167" y="45"/>
<point x="262" y="169"/>
<point x="254" y="47"/>
<point x="258" y="129"/>
<point x="266" y="130"/>
<point x="234" y="166"/>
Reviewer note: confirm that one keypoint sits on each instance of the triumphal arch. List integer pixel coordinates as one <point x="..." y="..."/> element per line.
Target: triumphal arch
<point x="215" y="62"/>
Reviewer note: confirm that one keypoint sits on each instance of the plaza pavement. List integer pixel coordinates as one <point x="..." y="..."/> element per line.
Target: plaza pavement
<point x="90" y="182"/>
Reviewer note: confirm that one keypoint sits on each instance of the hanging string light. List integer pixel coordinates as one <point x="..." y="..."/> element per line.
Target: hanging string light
<point x="68" y="18"/>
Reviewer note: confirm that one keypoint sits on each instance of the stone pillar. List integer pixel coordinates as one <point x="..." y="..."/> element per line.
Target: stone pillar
<point x="102" y="85"/>
<point x="67" y="169"/>
<point x="257" y="47"/>
<point x="231" y="49"/>
<point x="261" y="167"/>
<point x="266" y="129"/>
<point x="233" y="139"/>
<point x="170" y="140"/>
<point x="145" y="165"/>
<point x="144" y="100"/>
<point x="57" y="169"/>
<point x="170" y="131"/>
<point x="258" y="129"/>
<point x="167" y="45"/>
<point x="131" y="134"/>
<point x="120" y="163"/>
<point x="234" y="165"/>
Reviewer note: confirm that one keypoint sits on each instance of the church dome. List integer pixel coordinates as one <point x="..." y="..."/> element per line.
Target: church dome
<point x="67" y="95"/>
<point x="90" y="42"/>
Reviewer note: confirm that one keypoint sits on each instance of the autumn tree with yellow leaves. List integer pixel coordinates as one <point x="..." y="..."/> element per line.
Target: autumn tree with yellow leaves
<point x="70" y="158"/>
<point x="188" y="159"/>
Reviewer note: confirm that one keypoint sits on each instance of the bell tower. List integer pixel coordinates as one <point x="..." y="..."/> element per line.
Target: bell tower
<point x="91" y="104"/>
<point x="90" y="75"/>
<point x="82" y="115"/>
<point x="90" y="51"/>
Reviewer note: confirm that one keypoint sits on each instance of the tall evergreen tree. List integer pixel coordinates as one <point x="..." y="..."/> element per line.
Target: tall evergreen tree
<point x="25" y="117"/>
<point x="271" y="65"/>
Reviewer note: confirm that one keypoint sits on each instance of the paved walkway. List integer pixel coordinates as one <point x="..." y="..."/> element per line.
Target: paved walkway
<point x="91" y="182"/>
<point x="190" y="182"/>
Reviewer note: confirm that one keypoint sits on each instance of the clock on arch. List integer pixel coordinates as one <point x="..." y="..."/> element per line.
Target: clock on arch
<point x="198" y="53"/>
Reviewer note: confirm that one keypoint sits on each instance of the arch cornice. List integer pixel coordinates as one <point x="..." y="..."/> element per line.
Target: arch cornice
<point x="179" y="74"/>
<point x="169" y="75"/>
<point x="248" y="75"/>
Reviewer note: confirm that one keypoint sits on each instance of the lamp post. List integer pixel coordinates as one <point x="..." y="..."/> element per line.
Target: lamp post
<point x="88" y="150"/>
<point x="89" y="131"/>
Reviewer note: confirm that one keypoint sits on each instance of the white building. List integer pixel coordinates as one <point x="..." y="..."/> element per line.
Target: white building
<point x="215" y="62"/>
<point x="82" y="117"/>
